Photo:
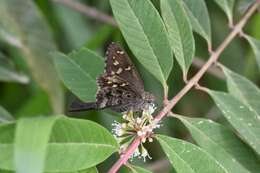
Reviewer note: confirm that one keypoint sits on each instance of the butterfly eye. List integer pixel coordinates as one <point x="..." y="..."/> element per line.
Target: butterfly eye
<point x="128" y="95"/>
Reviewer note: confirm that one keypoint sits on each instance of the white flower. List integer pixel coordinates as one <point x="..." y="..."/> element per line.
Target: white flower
<point x="140" y="133"/>
<point x="117" y="130"/>
<point x="151" y="108"/>
<point x="145" y="154"/>
<point x="150" y="139"/>
<point x="136" y="153"/>
<point x="136" y="125"/>
<point x="138" y="120"/>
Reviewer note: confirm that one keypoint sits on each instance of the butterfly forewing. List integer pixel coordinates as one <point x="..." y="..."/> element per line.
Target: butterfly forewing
<point x="119" y="64"/>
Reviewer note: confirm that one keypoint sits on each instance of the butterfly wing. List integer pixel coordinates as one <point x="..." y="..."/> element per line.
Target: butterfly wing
<point x="120" y="87"/>
<point x="119" y="64"/>
<point x="116" y="93"/>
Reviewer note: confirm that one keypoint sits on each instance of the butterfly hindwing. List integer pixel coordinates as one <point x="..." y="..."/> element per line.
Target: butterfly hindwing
<point x="119" y="99"/>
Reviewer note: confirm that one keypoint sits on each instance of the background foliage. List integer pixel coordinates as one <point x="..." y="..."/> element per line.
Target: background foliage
<point x="45" y="46"/>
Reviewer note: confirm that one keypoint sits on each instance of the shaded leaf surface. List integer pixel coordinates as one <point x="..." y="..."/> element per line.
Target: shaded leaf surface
<point x="7" y="133"/>
<point x="9" y="74"/>
<point x="133" y="169"/>
<point x="75" y="26"/>
<point x="90" y="170"/>
<point x="36" y="105"/>
<point x="5" y="116"/>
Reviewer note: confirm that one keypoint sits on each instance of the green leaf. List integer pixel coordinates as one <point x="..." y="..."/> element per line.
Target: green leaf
<point x="69" y="137"/>
<point x="231" y="153"/>
<point x="7" y="134"/>
<point x="9" y="74"/>
<point x="199" y="17"/>
<point x="90" y="170"/>
<point x="227" y="6"/>
<point x="135" y="169"/>
<point x="31" y="139"/>
<point x="4" y="171"/>
<point x="255" y="44"/>
<point x="145" y="34"/>
<point x="244" y="5"/>
<point x="23" y="26"/>
<point x="5" y="116"/>
<point x="100" y="37"/>
<point x="76" y="32"/>
<point x="188" y="158"/>
<point x="78" y="74"/>
<point x="243" y="89"/>
<point x="35" y="105"/>
<point x="243" y="119"/>
<point x="180" y="32"/>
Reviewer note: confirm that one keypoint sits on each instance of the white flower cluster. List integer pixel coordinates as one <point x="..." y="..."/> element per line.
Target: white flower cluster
<point x="136" y="125"/>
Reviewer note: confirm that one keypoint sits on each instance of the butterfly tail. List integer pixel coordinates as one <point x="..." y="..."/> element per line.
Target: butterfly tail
<point x="78" y="106"/>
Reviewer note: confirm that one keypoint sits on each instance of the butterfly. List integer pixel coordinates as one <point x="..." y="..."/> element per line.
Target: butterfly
<point x="120" y="86"/>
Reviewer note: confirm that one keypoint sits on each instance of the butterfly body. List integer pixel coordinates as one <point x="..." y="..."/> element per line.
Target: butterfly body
<point x="120" y="86"/>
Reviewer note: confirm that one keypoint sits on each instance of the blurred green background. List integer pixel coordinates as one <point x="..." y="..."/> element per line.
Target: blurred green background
<point x="47" y="26"/>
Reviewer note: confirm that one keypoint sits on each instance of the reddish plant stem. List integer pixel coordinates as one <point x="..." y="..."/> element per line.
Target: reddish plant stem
<point x="214" y="70"/>
<point x="213" y="58"/>
<point x="125" y="156"/>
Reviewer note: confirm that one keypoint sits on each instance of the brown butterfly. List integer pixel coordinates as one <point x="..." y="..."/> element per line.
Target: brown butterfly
<point x="120" y="86"/>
